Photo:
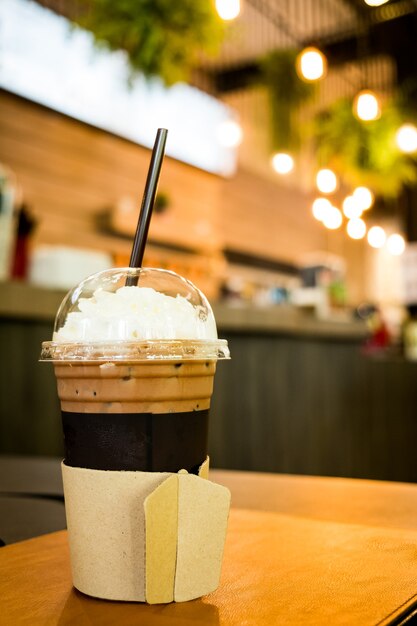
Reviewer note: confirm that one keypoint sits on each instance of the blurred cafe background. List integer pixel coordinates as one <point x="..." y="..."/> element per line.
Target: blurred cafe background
<point x="288" y="195"/>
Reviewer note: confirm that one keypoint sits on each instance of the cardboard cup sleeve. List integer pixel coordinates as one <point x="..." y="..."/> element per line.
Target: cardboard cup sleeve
<point x="145" y="536"/>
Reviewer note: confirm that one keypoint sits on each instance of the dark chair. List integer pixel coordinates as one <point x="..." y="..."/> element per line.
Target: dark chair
<point x="31" y="497"/>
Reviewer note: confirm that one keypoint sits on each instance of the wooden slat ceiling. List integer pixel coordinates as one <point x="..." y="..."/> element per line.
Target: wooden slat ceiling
<point x="344" y="28"/>
<point x="265" y="25"/>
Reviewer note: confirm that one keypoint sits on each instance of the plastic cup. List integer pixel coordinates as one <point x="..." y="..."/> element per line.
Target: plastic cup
<point x="135" y="353"/>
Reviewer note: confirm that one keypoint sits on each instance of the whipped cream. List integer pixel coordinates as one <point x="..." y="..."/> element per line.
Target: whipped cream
<point x="135" y="314"/>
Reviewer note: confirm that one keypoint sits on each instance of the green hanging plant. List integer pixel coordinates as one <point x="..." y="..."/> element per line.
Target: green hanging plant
<point x="161" y="38"/>
<point x="286" y="93"/>
<point x="364" y="153"/>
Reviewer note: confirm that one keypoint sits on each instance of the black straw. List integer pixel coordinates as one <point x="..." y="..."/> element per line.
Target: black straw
<point x="148" y="201"/>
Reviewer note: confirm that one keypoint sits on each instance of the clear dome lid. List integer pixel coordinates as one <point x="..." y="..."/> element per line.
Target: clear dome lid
<point x="134" y="314"/>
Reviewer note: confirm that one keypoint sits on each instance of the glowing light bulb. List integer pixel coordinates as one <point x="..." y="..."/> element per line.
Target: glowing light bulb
<point x="351" y="208"/>
<point x="375" y="3"/>
<point x="366" y="106"/>
<point x="396" y="244"/>
<point x="364" y="197"/>
<point x="406" y="138"/>
<point x="229" y="134"/>
<point x="311" y="64"/>
<point x="333" y="219"/>
<point x="228" y="9"/>
<point x="326" y="181"/>
<point x="376" y="237"/>
<point x="321" y="207"/>
<point x="282" y="163"/>
<point x="356" y="228"/>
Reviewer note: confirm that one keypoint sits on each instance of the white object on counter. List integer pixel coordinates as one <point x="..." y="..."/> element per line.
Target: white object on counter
<point x="62" y="267"/>
<point x="311" y="297"/>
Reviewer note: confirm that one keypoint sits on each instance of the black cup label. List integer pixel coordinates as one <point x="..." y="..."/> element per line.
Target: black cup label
<point x="148" y="442"/>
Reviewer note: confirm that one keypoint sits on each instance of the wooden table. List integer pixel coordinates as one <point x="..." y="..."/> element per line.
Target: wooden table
<point x="303" y="551"/>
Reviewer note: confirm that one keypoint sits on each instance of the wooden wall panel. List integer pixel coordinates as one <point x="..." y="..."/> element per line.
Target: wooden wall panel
<point x="271" y="220"/>
<point x="70" y="169"/>
<point x="71" y="172"/>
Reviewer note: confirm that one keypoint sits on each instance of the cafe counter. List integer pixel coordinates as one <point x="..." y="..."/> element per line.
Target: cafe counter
<point x="22" y="301"/>
<point x="299" y="395"/>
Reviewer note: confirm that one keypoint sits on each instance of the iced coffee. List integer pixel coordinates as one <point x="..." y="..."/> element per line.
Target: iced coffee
<point x="135" y="353"/>
<point x="135" y="367"/>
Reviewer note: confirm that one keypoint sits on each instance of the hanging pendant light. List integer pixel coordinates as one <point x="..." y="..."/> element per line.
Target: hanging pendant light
<point x="283" y="163"/>
<point x="333" y="219"/>
<point x="228" y="9"/>
<point x="356" y="228"/>
<point x="351" y="208"/>
<point x="311" y="64"/>
<point x="364" y="197"/>
<point x="406" y="138"/>
<point x="377" y="237"/>
<point x="396" y="244"/>
<point x="229" y="133"/>
<point x="326" y="181"/>
<point x="366" y="106"/>
<point x="321" y="208"/>
<point x="375" y="3"/>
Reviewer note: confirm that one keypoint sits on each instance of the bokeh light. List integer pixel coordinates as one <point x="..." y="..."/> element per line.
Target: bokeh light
<point x="351" y="208"/>
<point x="375" y="3"/>
<point x="366" y="106"/>
<point x="326" y="181"/>
<point x="282" y="163"/>
<point x="229" y="134"/>
<point x="406" y="138"/>
<point x="311" y="64"/>
<point x="321" y="208"/>
<point x="376" y="237"/>
<point x="364" y="197"/>
<point x="396" y="244"/>
<point x="333" y="219"/>
<point x="228" y="9"/>
<point x="356" y="228"/>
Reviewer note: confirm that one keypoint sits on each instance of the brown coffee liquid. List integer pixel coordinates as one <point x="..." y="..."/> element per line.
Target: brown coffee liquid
<point x="150" y="416"/>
